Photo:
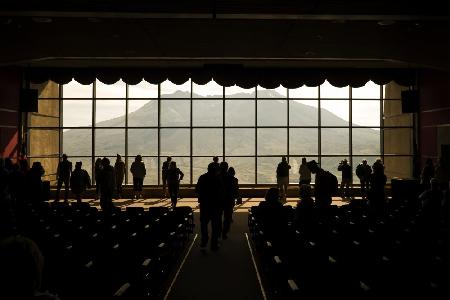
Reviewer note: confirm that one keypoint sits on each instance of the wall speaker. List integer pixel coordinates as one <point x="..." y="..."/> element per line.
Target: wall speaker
<point x="410" y="101"/>
<point x="28" y="100"/>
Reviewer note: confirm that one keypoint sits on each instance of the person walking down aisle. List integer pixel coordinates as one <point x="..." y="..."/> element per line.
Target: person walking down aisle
<point x="283" y="178"/>
<point x="79" y="181"/>
<point x="164" y="169"/>
<point x="363" y="171"/>
<point x="174" y="176"/>
<point x="231" y="197"/>
<point x="119" y="172"/>
<point x="209" y="189"/>
<point x="107" y="182"/>
<point x="63" y="174"/>
<point x="97" y="172"/>
<point x="346" y="170"/>
<point x="138" y="171"/>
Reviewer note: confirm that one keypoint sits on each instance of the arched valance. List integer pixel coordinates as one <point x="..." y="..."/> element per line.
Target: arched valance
<point x="228" y="76"/>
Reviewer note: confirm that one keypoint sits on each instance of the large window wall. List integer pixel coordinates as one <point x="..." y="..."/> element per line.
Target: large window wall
<point x="249" y="128"/>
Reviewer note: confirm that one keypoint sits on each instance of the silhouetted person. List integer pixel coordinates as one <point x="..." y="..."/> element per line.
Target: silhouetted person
<point x="431" y="201"/>
<point x="174" y="176"/>
<point x="346" y="181"/>
<point x="138" y="171"/>
<point x="229" y="183"/>
<point x="305" y="173"/>
<point x="363" y="171"/>
<point x="426" y="174"/>
<point x="164" y="169"/>
<point x="97" y="172"/>
<point x="79" y="181"/>
<point x="376" y="195"/>
<point x="119" y="171"/>
<point x="210" y="192"/>
<point x="34" y="186"/>
<point x="107" y="183"/>
<point x="21" y="270"/>
<point x="305" y="207"/>
<point x="271" y="213"/>
<point x="216" y="164"/>
<point x="325" y="185"/>
<point x="63" y="174"/>
<point x="441" y="174"/>
<point x="283" y="178"/>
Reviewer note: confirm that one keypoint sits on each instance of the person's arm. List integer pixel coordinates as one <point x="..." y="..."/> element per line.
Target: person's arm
<point x="181" y="175"/>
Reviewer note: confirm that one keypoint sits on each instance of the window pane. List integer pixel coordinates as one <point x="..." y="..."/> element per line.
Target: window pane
<point x="151" y="167"/>
<point x="303" y="113"/>
<point x="334" y="112"/>
<point x="175" y="113"/>
<point x="142" y="113"/>
<point x="279" y="92"/>
<point x="207" y="112"/>
<point x="75" y="89"/>
<point x="272" y="141"/>
<point x="115" y="90"/>
<point x="397" y="141"/>
<point x="369" y="91"/>
<point x="109" y="142"/>
<point x="295" y="162"/>
<point x="209" y="90"/>
<point x="244" y="167"/>
<point x="47" y="115"/>
<point x="143" y="142"/>
<point x="335" y="141"/>
<point x="238" y="92"/>
<point x="331" y="164"/>
<point x="175" y="142"/>
<point x="77" y="113"/>
<point x="240" y="112"/>
<point x="207" y="142"/>
<point x="172" y="90"/>
<point x="200" y="167"/>
<point x="366" y="141"/>
<point x="398" y="166"/>
<point x="110" y="113"/>
<point x="272" y="112"/>
<point x="239" y="141"/>
<point x="304" y="92"/>
<point x="44" y="142"/>
<point x="303" y="141"/>
<point x="267" y="167"/>
<point x="366" y="113"/>
<point x="143" y="89"/>
<point x="329" y="91"/>
<point x="184" y="164"/>
<point x="77" y="142"/>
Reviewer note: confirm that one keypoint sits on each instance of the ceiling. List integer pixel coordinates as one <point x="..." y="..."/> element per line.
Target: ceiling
<point x="283" y="33"/>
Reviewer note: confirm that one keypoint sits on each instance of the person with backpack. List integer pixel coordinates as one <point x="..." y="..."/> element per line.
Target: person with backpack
<point x="326" y="185"/>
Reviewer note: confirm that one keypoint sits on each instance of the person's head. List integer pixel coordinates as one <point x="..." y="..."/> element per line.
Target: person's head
<point x="313" y="166"/>
<point x="231" y="171"/>
<point x="216" y="159"/>
<point x="21" y="265"/>
<point x="98" y="161"/>
<point x="305" y="191"/>
<point x="212" y="168"/>
<point x="105" y="161"/>
<point x="272" y="195"/>
<point x="173" y="165"/>
<point x="36" y="165"/>
<point x="138" y="158"/>
<point x="364" y="162"/>
<point x="169" y="158"/>
<point x="344" y="161"/>
<point x="283" y="158"/>
<point x="118" y="157"/>
<point x="78" y="165"/>
<point x="303" y="160"/>
<point x="223" y="167"/>
<point x="378" y="166"/>
<point x="64" y="157"/>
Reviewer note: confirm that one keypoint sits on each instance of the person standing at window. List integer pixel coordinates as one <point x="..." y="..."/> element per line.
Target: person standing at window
<point x="364" y="171"/>
<point x="174" y="176"/>
<point x="164" y="169"/>
<point x="79" y="181"/>
<point x="119" y="172"/>
<point x="63" y="174"/>
<point x="107" y="183"/>
<point x="283" y="178"/>
<point x="138" y="171"/>
<point x="346" y="170"/>
<point x="97" y="172"/>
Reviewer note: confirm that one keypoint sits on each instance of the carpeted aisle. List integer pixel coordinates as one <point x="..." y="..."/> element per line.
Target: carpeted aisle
<point x="227" y="274"/>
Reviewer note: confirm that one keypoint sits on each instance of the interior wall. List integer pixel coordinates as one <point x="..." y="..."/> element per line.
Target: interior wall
<point x="434" y="113"/>
<point x="10" y="84"/>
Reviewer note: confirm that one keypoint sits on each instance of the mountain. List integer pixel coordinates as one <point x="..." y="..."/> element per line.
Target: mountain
<point x="208" y="142"/>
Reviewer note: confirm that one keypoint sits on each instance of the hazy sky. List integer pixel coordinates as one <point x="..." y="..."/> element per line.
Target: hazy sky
<point x="365" y="113"/>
